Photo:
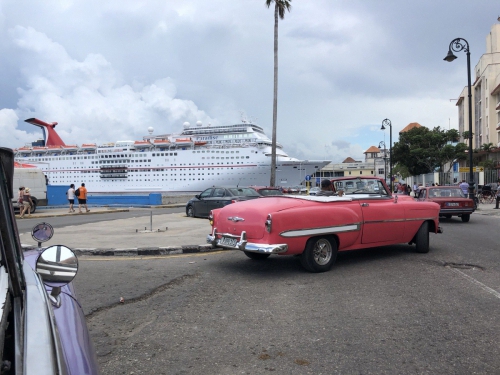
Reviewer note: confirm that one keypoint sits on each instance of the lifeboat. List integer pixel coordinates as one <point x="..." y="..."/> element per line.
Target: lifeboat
<point x="39" y="150"/>
<point x="70" y="148"/>
<point x="200" y="143"/>
<point x="24" y="149"/>
<point x="183" y="141"/>
<point x="88" y="146"/>
<point x="142" y="144"/>
<point x="54" y="149"/>
<point x="161" y="142"/>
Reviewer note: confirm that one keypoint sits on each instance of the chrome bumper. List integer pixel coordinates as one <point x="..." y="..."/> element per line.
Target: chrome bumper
<point x="243" y="245"/>
<point x="455" y="211"/>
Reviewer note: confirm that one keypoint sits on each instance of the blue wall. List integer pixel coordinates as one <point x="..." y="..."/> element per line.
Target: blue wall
<point x="56" y="196"/>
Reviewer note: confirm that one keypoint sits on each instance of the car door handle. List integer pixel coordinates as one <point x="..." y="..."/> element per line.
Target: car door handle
<point x="364" y="204"/>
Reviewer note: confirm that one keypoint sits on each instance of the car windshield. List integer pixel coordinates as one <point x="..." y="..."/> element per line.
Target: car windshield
<point x="361" y="186"/>
<point x="243" y="192"/>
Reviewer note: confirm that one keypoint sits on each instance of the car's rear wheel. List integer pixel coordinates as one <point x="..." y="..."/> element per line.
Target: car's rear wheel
<point x="320" y="254"/>
<point x="465" y="218"/>
<point x="422" y="238"/>
<point x="190" y="211"/>
<point x="256" y="256"/>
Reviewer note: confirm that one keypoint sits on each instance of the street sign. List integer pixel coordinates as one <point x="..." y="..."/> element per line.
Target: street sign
<point x="474" y="169"/>
<point x="308" y="178"/>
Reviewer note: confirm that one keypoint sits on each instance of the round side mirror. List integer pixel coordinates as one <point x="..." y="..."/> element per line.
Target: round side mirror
<point x="42" y="232"/>
<point x="57" y="265"/>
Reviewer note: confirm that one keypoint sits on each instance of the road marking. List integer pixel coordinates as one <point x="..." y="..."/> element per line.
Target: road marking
<point x="92" y="258"/>
<point x="474" y="281"/>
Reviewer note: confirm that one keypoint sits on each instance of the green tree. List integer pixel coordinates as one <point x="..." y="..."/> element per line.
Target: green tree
<point x="421" y="150"/>
<point x="488" y="147"/>
<point x="280" y="7"/>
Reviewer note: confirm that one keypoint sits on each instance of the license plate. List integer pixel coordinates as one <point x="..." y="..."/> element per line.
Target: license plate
<point x="450" y="204"/>
<point x="228" y="241"/>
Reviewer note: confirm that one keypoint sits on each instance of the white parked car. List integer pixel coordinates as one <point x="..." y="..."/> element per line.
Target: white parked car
<point x="314" y="191"/>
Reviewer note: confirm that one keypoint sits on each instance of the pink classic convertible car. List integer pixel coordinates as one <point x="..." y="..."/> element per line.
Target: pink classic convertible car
<point x="317" y="227"/>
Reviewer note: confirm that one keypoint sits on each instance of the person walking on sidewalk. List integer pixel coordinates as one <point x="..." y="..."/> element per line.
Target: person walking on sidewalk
<point x="27" y="202"/>
<point x="71" y="197"/>
<point x="82" y="198"/>
<point x="497" y="196"/>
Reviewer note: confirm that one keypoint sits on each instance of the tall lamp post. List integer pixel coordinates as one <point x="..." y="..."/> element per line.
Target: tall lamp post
<point x="385" y="159"/>
<point x="387" y="122"/>
<point x="457" y="45"/>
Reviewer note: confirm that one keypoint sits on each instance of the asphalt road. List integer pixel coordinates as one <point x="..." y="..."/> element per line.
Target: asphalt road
<point x="387" y="310"/>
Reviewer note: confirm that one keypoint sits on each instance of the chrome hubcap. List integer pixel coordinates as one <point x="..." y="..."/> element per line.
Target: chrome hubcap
<point x="322" y="252"/>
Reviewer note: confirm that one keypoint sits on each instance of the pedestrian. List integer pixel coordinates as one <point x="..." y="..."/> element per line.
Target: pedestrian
<point x="81" y="193"/>
<point x="415" y="189"/>
<point x="71" y="197"/>
<point x="27" y="202"/>
<point x="327" y="188"/>
<point x="20" y="197"/>
<point x="497" y="196"/>
<point x="465" y="187"/>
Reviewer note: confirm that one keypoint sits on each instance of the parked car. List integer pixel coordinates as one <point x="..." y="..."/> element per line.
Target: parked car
<point x="217" y="197"/>
<point x="314" y="190"/>
<point x="451" y="199"/>
<point x="42" y="324"/>
<point x="267" y="190"/>
<point x="317" y="227"/>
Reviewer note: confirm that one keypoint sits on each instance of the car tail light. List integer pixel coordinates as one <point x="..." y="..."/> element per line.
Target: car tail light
<point x="269" y="223"/>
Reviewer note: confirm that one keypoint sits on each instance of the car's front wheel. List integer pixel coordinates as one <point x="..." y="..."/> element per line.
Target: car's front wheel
<point x="190" y="211"/>
<point x="256" y="256"/>
<point x="320" y="254"/>
<point x="33" y="205"/>
<point x="422" y="238"/>
<point x="465" y="218"/>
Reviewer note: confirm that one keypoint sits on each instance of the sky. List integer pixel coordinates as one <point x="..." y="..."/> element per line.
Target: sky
<point x="109" y="70"/>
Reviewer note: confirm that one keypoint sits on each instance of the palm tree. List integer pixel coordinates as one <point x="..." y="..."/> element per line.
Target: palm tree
<point x="280" y="6"/>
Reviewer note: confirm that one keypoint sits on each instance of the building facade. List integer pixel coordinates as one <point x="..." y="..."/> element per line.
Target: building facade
<point x="485" y="93"/>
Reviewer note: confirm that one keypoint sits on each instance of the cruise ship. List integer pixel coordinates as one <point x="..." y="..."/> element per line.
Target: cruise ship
<point x="190" y="161"/>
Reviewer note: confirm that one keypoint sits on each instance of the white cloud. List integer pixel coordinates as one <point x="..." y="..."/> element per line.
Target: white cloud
<point x="88" y="98"/>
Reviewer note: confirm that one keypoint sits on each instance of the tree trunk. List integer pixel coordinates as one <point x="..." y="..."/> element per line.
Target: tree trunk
<point x="275" y="99"/>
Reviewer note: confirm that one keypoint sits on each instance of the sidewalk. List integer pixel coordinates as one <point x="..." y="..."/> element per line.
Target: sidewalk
<point x="169" y="234"/>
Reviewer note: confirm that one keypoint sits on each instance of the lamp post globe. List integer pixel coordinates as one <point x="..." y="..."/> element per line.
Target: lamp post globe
<point x="457" y="45"/>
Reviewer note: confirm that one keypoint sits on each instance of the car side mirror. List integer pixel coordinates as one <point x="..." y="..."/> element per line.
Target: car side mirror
<point x="197" y="196"/>
<point x="57" y="266"/>
<point x="42" y="232"/>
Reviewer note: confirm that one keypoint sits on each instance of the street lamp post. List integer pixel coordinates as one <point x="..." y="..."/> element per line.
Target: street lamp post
<point x="387" y="122"/>
<point x="385" y="159"/>
<point x="457" y="45"/>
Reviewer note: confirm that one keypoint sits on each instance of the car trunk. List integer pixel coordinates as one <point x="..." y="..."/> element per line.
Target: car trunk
<point x="251" y="216"/>
<point x="452" y="203"/>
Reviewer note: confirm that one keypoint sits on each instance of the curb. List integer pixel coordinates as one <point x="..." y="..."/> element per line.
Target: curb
<point x="140" y="251"/>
